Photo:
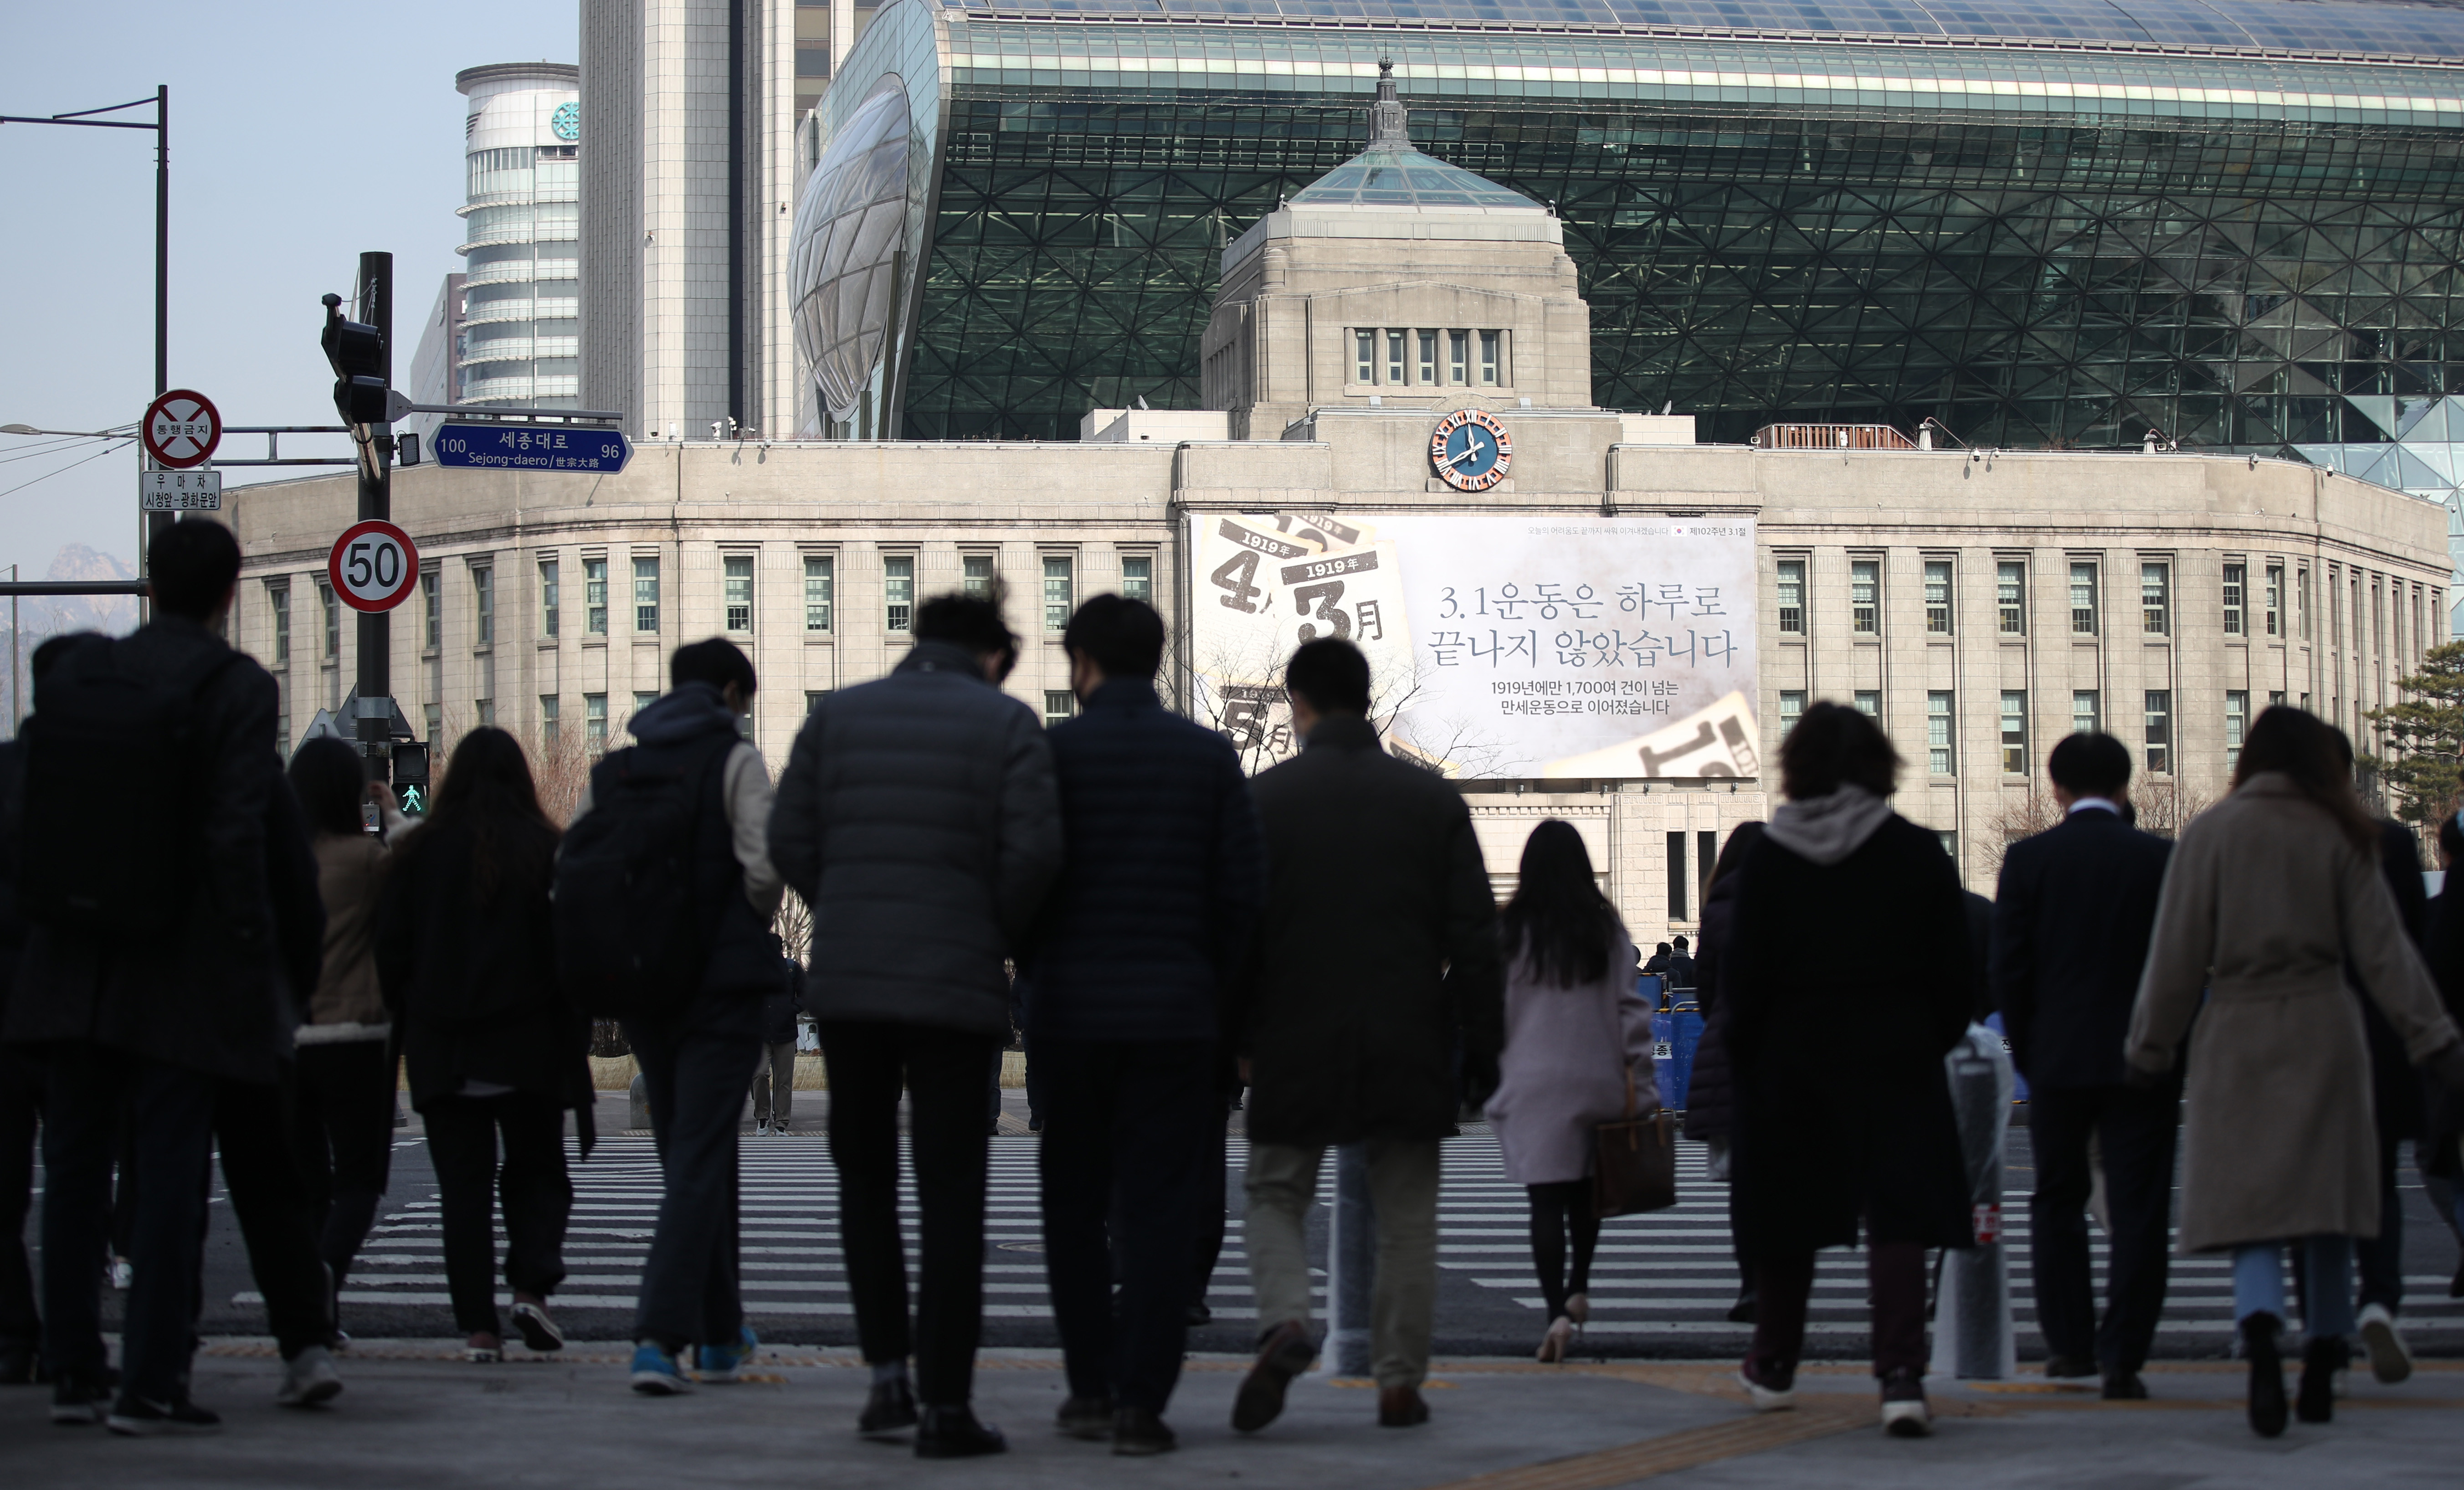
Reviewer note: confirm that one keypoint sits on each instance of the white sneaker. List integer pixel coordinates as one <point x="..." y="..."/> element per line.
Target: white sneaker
<point x="761" y="1130"/>
<point x="1768" y="1399"/>
<point x="2390" y="1358"/>
<point x="308" y="1379"/>
<point x="122" y="1273"/>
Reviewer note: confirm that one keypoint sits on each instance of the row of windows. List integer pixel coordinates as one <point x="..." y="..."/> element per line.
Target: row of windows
<point x="2010" y="599"/>
<point x="1410" y="356"/>
<point x="2087" y="716"/>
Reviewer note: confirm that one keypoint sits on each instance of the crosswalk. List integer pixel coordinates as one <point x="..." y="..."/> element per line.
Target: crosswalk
<point x="1662" y="1281"/>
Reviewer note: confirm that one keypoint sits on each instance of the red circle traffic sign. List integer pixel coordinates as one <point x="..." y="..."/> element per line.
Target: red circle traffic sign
<point x="181" y="429"/>
<point x="374" y="565"/>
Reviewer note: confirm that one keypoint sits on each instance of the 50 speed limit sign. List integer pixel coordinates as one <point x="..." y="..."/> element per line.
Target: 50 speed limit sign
<point x="374" y="566"/>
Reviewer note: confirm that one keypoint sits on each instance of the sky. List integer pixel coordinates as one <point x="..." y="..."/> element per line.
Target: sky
<point x="300" y="136"/>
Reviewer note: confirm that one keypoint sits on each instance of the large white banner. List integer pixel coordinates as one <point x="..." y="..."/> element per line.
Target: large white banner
<point x="1499" y="645"/>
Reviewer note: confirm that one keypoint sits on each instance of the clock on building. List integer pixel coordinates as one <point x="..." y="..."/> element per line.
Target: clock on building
<point x="566" y="121"/>
<point x="1470" y="451"/>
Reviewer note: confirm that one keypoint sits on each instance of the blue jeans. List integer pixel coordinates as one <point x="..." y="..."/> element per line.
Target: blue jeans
<point x="2326" y="1264"/>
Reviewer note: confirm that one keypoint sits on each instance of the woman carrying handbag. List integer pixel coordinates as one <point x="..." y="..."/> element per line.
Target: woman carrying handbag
<point x="1577" y="1055"/>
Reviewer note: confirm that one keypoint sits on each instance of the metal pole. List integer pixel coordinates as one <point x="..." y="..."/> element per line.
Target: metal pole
<point x="17" y="695"/>
<point x="152" y="524"/>
<point x="374" y="293"/>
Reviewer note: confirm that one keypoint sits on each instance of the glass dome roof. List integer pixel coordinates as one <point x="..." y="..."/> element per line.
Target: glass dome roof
<point x="1392" y="173"/>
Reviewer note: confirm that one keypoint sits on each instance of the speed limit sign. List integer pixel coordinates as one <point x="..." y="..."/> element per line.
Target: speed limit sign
<point x="374" y="566"/>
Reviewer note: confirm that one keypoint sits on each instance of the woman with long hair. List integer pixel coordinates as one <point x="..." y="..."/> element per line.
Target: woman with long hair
<point x="1577" y="1054"/>
<point x="495" y="1053"/>
<point x="1841" y="1120"/>
<point x="342" y="1124"/>
<point x="2271" y="895"/>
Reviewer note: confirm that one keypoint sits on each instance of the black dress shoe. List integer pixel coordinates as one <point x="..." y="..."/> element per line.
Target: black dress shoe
<point x="1199" y="1314"/>
<point x="890" y="1409"/>
<point x="2125" y="1387"/>
<point x="2266" y="1374"/>
<point x="1283" y="1354"/>
<point x="18" y="1362"/>
<point x="1742" y="1312"/>
<point x="952" y="1433"/>
<point x="2068" y="1368"/>
<point x="1085" y="1417"/>
<point x="1135" y="1431"/>
<point x="2321" y="1360"/>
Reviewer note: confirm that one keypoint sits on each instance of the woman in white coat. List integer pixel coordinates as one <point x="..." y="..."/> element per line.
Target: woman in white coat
<point x="1578" y="1053"/>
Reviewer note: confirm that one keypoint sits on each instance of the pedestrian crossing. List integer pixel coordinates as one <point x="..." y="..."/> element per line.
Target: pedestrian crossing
<point x="1663" y="1281"/>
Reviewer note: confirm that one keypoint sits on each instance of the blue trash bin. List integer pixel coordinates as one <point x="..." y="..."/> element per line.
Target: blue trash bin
<point x="1993" y="1022"/>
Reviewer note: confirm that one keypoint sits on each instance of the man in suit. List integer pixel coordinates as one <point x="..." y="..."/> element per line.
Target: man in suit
<point x="2071" y="924"/>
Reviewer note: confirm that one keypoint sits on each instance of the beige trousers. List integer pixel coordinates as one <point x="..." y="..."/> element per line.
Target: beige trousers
<point x="1282" y="1186"/>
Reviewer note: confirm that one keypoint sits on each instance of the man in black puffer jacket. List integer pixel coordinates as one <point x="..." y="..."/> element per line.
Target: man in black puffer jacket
<point x="917" y="818"/>
<point x="1130" y="968"/>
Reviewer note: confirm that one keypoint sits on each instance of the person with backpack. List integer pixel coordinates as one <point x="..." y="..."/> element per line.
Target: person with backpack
<point x="917" y="818"/>
<point x="494" y="1049"/>
<point x="157" y="967"/>
<point x="665" y="896"/>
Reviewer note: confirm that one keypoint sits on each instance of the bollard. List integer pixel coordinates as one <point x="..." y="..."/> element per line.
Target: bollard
<point x="1973" y="1337"/>
<point x="638" y="1118"/>
<point x="1350" y="1264"/>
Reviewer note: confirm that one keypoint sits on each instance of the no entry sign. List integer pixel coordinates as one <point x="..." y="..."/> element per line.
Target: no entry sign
<point x="374" y="565"/>
<point x="181" y="429"/>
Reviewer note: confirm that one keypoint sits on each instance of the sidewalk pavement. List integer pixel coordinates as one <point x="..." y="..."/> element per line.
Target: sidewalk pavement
<point x="412" y="1413"/>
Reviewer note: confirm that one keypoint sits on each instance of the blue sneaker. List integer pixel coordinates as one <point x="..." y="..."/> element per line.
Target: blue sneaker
<point x="722" y="1363"/>
<point x="656" y="1373"/>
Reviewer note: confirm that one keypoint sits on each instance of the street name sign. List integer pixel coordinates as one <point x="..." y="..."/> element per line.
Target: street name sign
<point x="573" y="448"/>
<point x="374" y="565"/>
<point x="179" y="491"/>
<point x="181" y="428"/>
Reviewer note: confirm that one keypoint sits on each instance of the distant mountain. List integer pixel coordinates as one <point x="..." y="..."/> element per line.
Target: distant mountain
<point x="116" y="614"/>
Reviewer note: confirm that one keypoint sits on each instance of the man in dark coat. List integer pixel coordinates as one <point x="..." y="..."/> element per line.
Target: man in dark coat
<point x="21" y="1104"/>
<point x="774" y="1075"/>
<point x="1130" y="963"/>
<point x="2071" y="923"/>
<point x="1680" y="965"/>
<point x="918" y="819"/>
<point x="1377" y="961"/>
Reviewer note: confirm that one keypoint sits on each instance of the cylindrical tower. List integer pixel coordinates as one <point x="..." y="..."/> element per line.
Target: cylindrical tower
<point x="522" y="246"/>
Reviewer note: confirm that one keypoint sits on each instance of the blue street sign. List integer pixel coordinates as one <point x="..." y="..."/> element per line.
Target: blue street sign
<point x="531" y="448"/>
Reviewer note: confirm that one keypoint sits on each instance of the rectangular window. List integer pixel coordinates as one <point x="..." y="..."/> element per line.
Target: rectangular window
<point x="646" y="593"/>
<point x="897" y="592"/>
<point x="1060" y="591"/>
<point x="1791" y="707"/>
<point x="1395" y="358"/>
<point x="277" y="596"/>
<point x="1059" y="704"/>
<point x="821" y="572"/>
<point x="2083" y="599"/>
<point x="551" y="616"/>
<point x="2236" y="721"/>
<point x="332" y="608"/>
<point x="2275" y="599"/>
<point x="2275" y="697"/>
<point x="1706" y="858"/>
<point x="2085" y="713"/>
<point x="1488" y="358"/>
<point x="976" y="575"/>
<point x="2301" y="602"/>
<point x="483" y="605"/>
<point x="1364" y="357"/>
<point x="594" y="596"/>
<point x="1942" y="756"/>
<point x="1865" y="597"/>
<point x="432" y="601"/>
<point x="2011" y="596"/>
<point x="435" y="716"/>
<point x="1869" y="702"/>
<point x="736" y="590"/>
<point x="2014" y="732"/>
<point x="486" y="709"/>
<point x="1677" y="876"/>
<point x="2159" y="757"/>
<point x="1458" y="358"/>
<point x="551" y="723"/>
<point x="1937" y="591"/>
<point x="2155" y="599"/>
<point x="1949" y="842"/>
<point x="1791" y="596"/>
<point x="813" y="697"/>
<point x="643" y="699"/>
<point x="1427" y="372"/>
<point x="2233" y="598"/>
<point x="1137" y="578"/>
<point x="594" y="721"/>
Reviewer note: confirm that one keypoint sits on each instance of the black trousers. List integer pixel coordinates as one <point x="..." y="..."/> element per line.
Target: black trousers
<point x="253" y="1127"/>
<point x="342" y="1130"/>
<point x="21" y="1112"/>
<point x="1214" y="1199"/>
<point x="2382" y="1256"/>
<point x="463" y="1141"/>
<point x="696" y="1082"/>
<point x="87" y="1092"/>
<point x="943" y="1074"/>
<point x="2134" y="1131"/>
<point x="1132" y="1119"/>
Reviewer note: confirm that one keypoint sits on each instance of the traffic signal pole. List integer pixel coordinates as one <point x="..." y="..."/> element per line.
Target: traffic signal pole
<point x="374" y="293"/>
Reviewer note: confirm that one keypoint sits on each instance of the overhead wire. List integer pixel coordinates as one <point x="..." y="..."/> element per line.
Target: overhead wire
<point x="70" y="466"/>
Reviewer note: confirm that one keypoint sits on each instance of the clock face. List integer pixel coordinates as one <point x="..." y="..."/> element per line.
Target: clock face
<point x="1470" y="451"/>
<point x="566" y="121"/>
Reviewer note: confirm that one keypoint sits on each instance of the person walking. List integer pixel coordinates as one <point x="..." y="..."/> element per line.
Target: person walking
<point x="2440" y="1152"/>
<point x="695" y="792"/>
<point x="774" y="1074"/>
<point x="918" y="819"/>
<point x="342" y="1117"/>
<point x="21" y="1109"/>
<point x="1842" y="1112"/>
<point x="1130" y="963"/>
<point x="1710" y="1096"/>
<point x="2272" y="894"/>
<point x="1378" y="965"/>
<point x="1577" y="1054"/>
<point x="496" y="1051"/>
<point x="2072" y="917"/>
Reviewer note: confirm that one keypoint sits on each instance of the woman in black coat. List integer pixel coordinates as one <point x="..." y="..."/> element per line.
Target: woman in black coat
<point x="494" y="1050"/>
<point x="1841" y="1114"/>
<point x="1710" y="1090"/>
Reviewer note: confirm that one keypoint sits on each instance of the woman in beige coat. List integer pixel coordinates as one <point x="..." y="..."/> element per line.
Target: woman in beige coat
<point x="2272" y="893"/>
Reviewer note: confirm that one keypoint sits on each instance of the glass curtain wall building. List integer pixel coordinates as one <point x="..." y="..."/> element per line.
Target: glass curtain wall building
<point x="2235" y="223"/>
<point x="518" y="329"/>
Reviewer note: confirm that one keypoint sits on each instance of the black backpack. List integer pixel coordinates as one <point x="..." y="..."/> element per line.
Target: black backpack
<point x="630" y="939"/>
<point x="111" y="858"/>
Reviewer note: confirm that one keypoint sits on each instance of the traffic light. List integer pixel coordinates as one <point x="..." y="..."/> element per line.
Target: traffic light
<point x="358" y="352"/>
<point x="410" y="775"/>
